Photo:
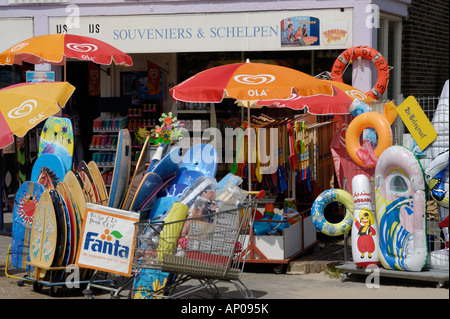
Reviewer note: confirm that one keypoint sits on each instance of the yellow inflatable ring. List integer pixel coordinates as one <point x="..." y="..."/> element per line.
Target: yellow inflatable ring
<point x="356" y="127"/>
<point x="318" y="208"/>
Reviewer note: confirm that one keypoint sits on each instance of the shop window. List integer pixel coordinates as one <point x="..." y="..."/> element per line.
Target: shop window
<point x="390" y="45"/>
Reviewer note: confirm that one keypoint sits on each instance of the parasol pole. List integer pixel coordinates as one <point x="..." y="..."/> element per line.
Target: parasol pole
<point x="65" y="69"/>
<point x="250" y="159"/>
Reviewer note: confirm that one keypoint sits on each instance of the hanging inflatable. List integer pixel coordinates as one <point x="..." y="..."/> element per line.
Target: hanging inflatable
<point x="434" y="175"/>
<point x="400" y="200"/>
<point x="357" y="126"/>
<point x="364" y="229"/>
<point x="318" y="208"/>
<point x="367" y="53"/>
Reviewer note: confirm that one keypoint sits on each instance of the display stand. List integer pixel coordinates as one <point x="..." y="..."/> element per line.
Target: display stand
<point x="299" y="238"/>
<point x="440" y="276"/>
<point x="434" y="275"/>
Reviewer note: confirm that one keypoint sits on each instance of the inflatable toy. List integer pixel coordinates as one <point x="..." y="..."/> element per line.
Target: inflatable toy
<point x="367" y="53"/>
<point x="364" y="228"/>
<point x="401" y="206"/>
<point x="356" y="127"/>
<point x="434" y="175"/>
<point x="318" y="207"/>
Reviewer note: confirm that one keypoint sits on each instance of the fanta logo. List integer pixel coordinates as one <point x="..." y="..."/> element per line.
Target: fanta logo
<point x="106" y="244"/>
<point x="254" y="79"/>
<point x="23" y="110"/>
<point x="82" y="47"/>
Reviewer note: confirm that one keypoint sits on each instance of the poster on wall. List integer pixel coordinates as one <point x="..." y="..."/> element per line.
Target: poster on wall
<point x="136" y="84"/>
<point x="300" y="31"/>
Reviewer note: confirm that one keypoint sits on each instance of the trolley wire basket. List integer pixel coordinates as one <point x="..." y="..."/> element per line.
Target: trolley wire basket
<point x="209" y="247"/>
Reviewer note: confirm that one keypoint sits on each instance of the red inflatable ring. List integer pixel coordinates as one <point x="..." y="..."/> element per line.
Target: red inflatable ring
<point x="356" y="127"/>
<point x="369" y="54"/>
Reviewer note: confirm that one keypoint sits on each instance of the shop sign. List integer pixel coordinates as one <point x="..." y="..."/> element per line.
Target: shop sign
<point x="245" y="31"/>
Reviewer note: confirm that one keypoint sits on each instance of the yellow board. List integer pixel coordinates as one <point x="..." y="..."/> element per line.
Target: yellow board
<point x="417" y="122"/>
<point x="98" y="180"/>
<point x="76" y="193"/>
<point x="43" y="238"/>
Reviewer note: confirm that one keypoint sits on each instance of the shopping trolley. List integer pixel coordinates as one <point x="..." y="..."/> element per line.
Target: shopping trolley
<point x="209" y="248"/>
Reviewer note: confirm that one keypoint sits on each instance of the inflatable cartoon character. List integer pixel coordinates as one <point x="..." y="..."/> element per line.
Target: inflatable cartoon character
<point x="365" y="240"/>
<point x="364" y="229"/>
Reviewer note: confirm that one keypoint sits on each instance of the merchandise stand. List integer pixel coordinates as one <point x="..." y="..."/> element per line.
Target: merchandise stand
<point x="433" y="273"/>
<point x="54" y="282"/>
<point x="289" y="240"/>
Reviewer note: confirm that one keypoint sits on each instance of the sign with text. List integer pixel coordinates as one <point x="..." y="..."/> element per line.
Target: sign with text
<point x="417" y="122"/>
<point x="242" y="31"/>
<point x="107" y="240"/>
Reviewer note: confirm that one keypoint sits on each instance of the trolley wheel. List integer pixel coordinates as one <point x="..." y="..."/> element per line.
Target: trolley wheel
<point x="53" y="291"/>
<point x="344" y="277"/>
<point x="279" y="269"/>
<point x="87" y="294"/>
<point x="20" y="282"/>
<point x="37" y="287"/>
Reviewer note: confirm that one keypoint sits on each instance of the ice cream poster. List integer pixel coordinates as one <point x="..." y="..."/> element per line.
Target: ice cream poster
<point x="300" y="31"/>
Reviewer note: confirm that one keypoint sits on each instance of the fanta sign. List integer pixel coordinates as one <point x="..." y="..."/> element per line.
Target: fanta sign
<point x="107" y="240"/>
<point x="103" y="244"/>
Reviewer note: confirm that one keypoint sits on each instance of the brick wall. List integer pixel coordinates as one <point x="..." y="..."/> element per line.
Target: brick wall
<point x="425" y="55"/>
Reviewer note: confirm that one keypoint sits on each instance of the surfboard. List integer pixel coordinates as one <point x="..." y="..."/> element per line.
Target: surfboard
<point x="169" y="164"/>
<point x="43" y="239"/>
<point x="121" y="170"/>
<point x="60" y="228"/>
<point x="88" y="187"/>
<point x="76" y="194"/>
<point x="200" y="157"/>
<point x="27" y="198"/>
<point x="151" y="199"/>
<point x="83" y="167"/>
<point x="149" y="184"/>
<point x="57" y="138"/>
<point x="99" y="181"/>
<point x="48" y="170"/>
<point x="75" y="225"/>
<point x="138" y="174"/>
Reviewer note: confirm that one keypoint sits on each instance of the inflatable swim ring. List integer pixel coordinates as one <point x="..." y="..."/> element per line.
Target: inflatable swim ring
<point x="400" y="200"/>
<point x="356" y="127"/>
<point x="369" y="54"/>
<point x="318" y="207"/>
